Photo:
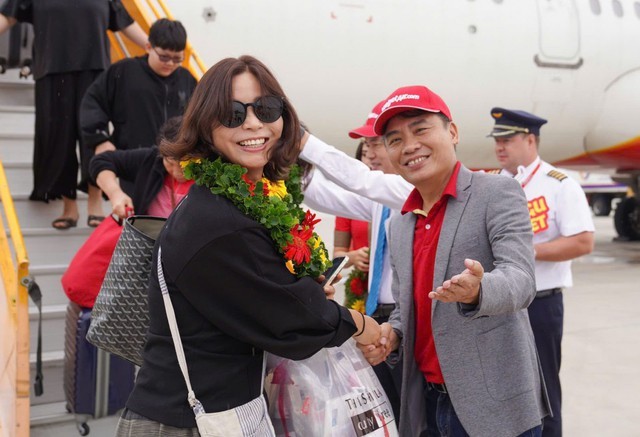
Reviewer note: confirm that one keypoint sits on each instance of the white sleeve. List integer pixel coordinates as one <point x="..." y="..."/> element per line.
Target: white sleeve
<point x="574" y="215"/>
<point x="352" y="175"/>
<point x="324" y="196"/>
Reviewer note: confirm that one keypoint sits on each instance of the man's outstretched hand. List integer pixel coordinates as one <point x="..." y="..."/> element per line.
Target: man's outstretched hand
<point x="464" y="287"/>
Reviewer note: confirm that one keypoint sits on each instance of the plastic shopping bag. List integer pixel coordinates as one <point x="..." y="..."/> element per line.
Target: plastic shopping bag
<point x="333" y="393"/>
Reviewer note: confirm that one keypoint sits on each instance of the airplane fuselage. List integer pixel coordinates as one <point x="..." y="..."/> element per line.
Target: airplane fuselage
<point x="555" y="58"/>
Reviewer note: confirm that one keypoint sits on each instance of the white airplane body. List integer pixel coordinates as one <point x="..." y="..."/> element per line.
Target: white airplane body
<point x="575" y="63"/>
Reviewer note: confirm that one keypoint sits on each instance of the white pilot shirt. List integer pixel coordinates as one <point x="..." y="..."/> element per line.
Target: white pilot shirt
<point x="557" y="207"/>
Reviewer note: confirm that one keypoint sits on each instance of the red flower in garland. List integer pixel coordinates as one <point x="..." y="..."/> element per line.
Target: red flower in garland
<point x="298" y="250"/>
<point x="310" y="220"/>
<point x="252" y="185"/>
<point x="357" y="286"/>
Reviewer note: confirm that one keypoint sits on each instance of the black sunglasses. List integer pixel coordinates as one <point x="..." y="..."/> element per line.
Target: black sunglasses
<point x="268" y="109"/>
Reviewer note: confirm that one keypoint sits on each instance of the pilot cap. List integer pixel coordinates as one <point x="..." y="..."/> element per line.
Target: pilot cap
<point x="408" y="98"/>
<point x="366" y="130"/>
<point x="510" y="122"/>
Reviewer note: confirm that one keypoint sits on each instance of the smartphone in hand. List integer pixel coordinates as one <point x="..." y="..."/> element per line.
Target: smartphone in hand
<point x="338" y="265"/>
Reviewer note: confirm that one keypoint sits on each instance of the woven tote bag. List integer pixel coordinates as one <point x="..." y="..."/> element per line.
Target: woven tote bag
<point x="120" y="317"/>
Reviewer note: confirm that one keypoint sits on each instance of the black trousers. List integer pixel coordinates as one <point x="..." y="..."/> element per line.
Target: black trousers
<point x="390" y="378"/>
<point x="546" y="315"/>
<point x="55" y="160"/>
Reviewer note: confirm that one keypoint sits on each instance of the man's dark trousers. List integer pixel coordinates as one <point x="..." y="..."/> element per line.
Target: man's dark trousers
<point x="546" y="315"/>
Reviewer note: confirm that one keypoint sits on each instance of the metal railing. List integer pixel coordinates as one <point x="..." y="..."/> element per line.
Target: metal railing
<point x="15" y="353"/>
<point x="145" y="13"/>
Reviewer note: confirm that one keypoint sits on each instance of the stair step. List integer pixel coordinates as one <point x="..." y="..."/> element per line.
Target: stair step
<point x="18" y="118"/>
<point x="53" y="319"/>
<point x="15" y="93"/>
<point x="50" y="246"/>
<point x="48" y="278"/>
<point x="20" y="179"/>
<point x="49" y="312"/>
<point x="28" y="109"/>
<point x="16" y="164"/>
<point x="15" y="146"/>
<point x="40" y="215"/>
<point x="12" y="76"/>
<point x="18" y="84"/>
<point x="50" y="269"/>
<point x="50" y="232"/>
<point x="13" y="135"/>
<point x="53" y="420"/>
<point x="49" y="414"/>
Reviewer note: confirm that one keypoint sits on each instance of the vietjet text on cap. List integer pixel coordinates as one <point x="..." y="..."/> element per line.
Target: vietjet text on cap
<point x="366" y="130"/>
<point x="407" y="98"/>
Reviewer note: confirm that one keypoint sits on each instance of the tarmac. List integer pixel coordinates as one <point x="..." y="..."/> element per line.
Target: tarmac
<point x="601" y="347"/>
<point x="600" y="371"/>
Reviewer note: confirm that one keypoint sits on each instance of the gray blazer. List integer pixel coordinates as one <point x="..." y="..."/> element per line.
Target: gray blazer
<point x="487" y="353"/>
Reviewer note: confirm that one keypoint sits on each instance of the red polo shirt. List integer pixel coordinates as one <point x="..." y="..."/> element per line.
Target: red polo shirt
<point x="425" y="244"/>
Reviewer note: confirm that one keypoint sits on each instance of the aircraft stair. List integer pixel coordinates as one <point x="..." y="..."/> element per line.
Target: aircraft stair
<point x="49" y="250"/>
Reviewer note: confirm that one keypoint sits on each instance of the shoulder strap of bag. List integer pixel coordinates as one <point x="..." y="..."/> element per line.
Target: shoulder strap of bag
<point x="177" y="342"/>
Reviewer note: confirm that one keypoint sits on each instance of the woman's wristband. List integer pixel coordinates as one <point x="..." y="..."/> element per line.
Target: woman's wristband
<point x="364" y="324"/>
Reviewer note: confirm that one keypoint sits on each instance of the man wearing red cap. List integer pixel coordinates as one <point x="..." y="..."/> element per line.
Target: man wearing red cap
<point x="463" y="277"/>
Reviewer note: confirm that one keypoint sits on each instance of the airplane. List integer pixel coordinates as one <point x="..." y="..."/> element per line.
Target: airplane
<point x="576" y="64"/>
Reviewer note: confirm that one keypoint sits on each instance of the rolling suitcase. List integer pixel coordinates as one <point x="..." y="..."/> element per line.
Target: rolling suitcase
<point x="96" y="383"/>
<point x="16" y="49"/>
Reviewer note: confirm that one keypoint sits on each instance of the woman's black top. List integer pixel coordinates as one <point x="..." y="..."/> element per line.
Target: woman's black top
<point x="234" y="298"/>
<point x="70" y="35"/>
<point x="141" y="173"/>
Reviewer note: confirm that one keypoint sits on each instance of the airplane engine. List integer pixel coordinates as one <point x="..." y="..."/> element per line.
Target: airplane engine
<point x="615" y="139"/>
<point x="615" y="135"/>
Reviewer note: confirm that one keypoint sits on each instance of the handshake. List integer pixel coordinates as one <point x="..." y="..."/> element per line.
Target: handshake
<point x="376" y="341"/>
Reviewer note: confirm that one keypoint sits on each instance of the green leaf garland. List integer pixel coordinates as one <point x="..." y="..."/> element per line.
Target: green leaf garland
<point x="290" y="227"/>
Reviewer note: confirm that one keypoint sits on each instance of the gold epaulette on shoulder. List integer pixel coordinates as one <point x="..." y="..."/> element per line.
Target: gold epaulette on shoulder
<point x="494" y="171"/>
<point x="557" y="175"/>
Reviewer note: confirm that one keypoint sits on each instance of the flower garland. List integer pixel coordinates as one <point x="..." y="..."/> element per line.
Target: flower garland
<point x="356" y="290"/>
<point x="275" y="205"/>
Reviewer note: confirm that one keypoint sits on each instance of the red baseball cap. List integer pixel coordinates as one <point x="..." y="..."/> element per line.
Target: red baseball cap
<point x="407" y="98"/>
<point x="366" y="130"/>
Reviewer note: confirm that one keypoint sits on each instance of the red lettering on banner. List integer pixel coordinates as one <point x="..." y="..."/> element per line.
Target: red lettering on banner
<point x="538" y="213"/>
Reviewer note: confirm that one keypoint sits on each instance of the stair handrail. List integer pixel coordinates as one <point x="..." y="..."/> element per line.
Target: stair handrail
<point x="145" y="13"/>
<point x="14" y="279"/>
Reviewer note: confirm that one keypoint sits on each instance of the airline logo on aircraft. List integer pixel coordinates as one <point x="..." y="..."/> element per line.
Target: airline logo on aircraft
<point x="399" y="98"/>
<point x="496" y="114"/>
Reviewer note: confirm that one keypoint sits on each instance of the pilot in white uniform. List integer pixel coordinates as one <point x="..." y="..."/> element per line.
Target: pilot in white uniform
<point x="562" y="230"/>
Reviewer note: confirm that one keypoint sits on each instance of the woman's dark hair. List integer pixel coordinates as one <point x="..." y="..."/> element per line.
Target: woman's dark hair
<point x="168" y="34"/>
<point x="211" y="102"/>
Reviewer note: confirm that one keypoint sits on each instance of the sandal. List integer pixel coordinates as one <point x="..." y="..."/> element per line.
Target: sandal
<point x="64" y="223"/>
<point x="93" y="221"/>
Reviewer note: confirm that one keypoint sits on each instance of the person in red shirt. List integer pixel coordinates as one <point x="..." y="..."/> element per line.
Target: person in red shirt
<point x="462" y="257"/>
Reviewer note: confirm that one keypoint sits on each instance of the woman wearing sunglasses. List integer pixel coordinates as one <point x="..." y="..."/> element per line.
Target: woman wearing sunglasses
<point x="240" y="261"/>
